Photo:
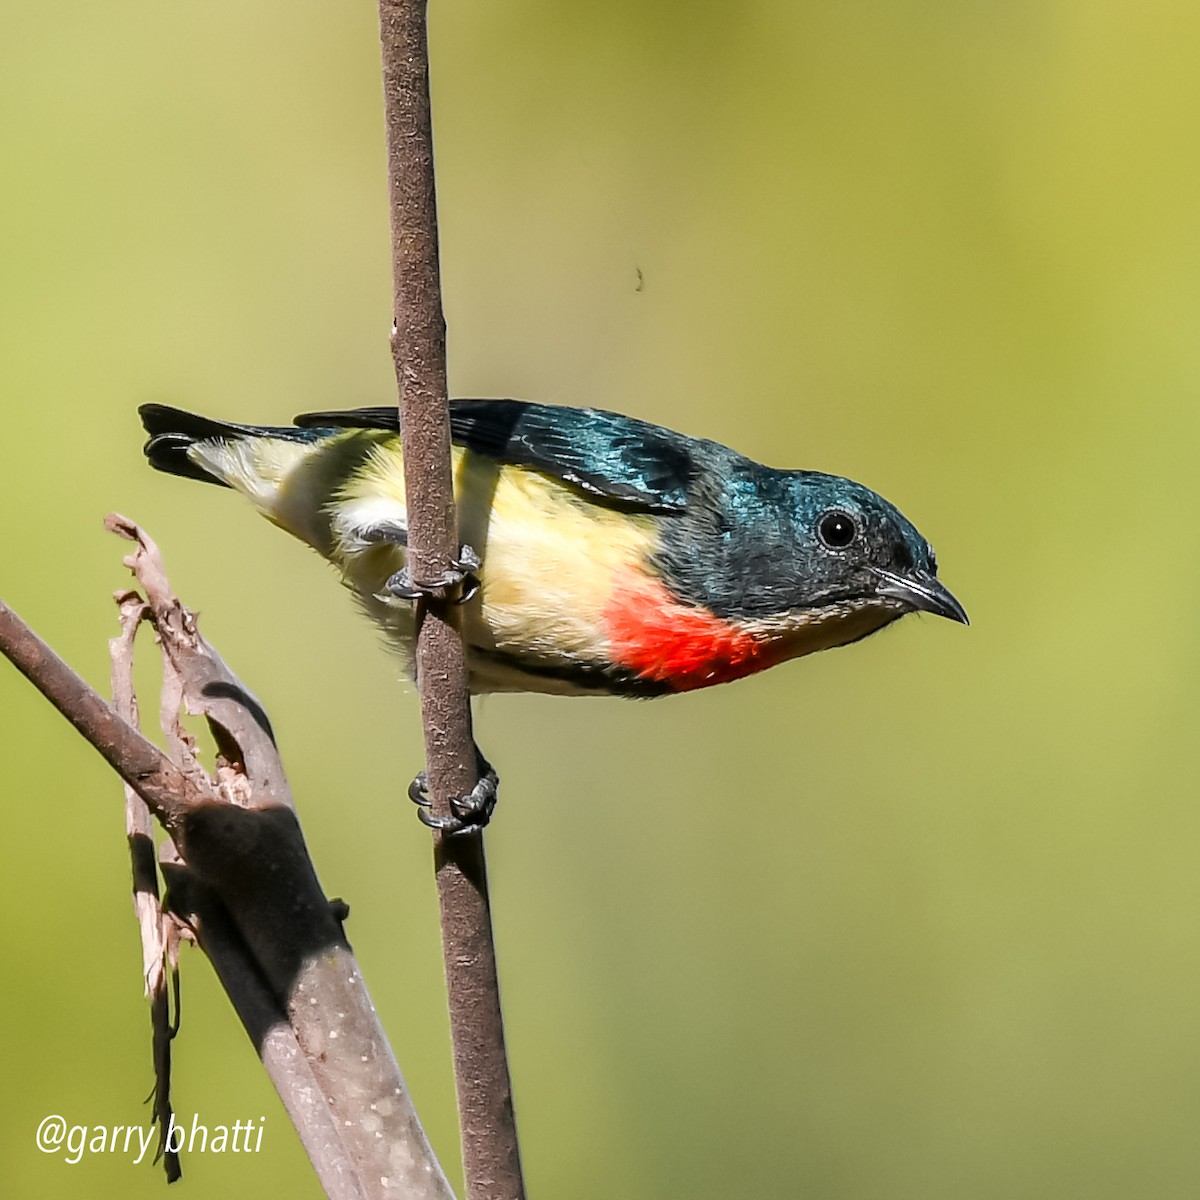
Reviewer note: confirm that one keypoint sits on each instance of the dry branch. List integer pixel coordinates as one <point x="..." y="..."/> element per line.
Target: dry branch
<point x="238" y="872"/>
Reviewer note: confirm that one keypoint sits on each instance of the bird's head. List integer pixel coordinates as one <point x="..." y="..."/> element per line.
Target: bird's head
<point x="859" y="550"/>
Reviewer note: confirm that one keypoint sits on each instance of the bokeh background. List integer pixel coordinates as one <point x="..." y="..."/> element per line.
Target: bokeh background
<point x="912" y="919"/>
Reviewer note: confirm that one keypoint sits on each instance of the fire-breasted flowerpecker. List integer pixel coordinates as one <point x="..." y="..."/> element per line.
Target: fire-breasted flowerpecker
<point x="605" y="555"/>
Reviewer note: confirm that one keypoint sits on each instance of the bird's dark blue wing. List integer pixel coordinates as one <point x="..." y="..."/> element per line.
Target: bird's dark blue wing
<point x="625" y="461"/>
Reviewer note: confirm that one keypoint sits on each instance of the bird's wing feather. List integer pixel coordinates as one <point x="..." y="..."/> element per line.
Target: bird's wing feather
<point x="628" y="462"/>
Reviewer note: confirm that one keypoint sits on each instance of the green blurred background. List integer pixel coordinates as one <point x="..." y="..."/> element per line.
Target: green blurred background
<point x="913" y="919"/>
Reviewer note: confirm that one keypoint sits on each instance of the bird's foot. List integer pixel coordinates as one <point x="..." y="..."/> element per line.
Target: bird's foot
<point x="470" y="812"/>
<point x="460" y="574"/>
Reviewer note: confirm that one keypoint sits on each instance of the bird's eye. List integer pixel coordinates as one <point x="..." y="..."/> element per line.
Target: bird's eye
<point x="837" y="530"/>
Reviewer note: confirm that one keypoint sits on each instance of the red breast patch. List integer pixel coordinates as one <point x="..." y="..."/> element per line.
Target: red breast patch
<point x="652" y="633"/>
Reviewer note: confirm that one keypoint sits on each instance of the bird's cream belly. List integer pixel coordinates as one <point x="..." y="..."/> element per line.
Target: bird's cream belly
<point x="549" y="562"/>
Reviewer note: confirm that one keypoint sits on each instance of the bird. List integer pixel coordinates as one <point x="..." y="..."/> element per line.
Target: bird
<point x="602" y="554"/>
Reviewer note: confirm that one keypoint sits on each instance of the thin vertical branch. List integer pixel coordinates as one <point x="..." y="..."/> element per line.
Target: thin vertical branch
<point x="491" y="1157"/>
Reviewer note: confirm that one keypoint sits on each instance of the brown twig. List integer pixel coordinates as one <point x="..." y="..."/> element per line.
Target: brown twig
<point x="491" y="1155"/>
<point x="159" y="933"/>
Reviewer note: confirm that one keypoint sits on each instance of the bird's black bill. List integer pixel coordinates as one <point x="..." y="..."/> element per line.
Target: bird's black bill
<point x="923" y="592"/>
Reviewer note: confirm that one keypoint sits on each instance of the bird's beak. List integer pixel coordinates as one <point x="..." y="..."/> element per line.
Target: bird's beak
<point x="920" y="591"/>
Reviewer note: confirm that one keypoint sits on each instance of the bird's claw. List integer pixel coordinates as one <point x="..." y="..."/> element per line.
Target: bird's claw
<point x="418" y="790"/>
<point x="467" y="813"/>
<point x="467" y="564"/>
<point x="460" y="574"/>
<point x="468" y="561"/>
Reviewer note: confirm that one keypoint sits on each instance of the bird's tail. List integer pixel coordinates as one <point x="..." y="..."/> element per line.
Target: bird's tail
<point x="253" y="459"/>
<point x="289" y="474"/>
<point x="174" y="432"/>
<point x="196" y="447"/>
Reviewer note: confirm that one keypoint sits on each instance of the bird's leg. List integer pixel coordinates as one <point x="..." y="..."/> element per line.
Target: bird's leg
<point x="469" y="812"/>
<point x="460" y="573"/>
